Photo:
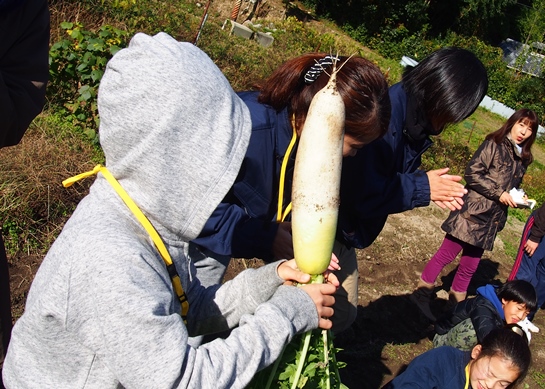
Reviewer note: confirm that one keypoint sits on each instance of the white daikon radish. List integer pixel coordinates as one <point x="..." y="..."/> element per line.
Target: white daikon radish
<point x="316" y="180"/>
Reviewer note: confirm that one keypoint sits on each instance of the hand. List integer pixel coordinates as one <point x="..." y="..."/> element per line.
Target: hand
<point x="289" y="272"/>
<point x="283" y="243"/>
<point x="321" y="295"/>
<point x="530" y="247"/>
<point x="445" y="189"/>
<point x="506" y="199"/>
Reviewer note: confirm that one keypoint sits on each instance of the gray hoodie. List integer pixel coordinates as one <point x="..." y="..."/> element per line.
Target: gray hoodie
<point x="101" y="312"/>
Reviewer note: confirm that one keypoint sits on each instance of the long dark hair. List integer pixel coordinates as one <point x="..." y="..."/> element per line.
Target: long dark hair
<point x="448" y="85"/>
<point x="509" y="342"/>
<point x="361" y="84"/>
<point x="527" y="116"/>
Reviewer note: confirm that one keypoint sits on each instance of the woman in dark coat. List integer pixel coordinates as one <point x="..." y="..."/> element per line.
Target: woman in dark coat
<point x="497" y="166"/>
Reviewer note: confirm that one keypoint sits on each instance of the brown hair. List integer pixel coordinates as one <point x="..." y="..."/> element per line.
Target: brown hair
<point x="526" y="116"/>
<point x="361" y="84"/>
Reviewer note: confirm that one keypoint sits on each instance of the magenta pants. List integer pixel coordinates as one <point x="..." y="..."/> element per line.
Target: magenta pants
<point x="450" y="248"/>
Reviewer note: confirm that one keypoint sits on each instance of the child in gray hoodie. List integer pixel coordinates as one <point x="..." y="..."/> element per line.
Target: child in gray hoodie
<point x="102" y="311"/>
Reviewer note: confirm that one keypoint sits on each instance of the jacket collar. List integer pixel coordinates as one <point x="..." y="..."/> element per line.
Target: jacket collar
<point x="417" y="126"/>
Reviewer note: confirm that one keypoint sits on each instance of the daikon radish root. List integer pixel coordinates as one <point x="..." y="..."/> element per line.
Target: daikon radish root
<point x="315" y="204"/>
<point x="316" y="180"/>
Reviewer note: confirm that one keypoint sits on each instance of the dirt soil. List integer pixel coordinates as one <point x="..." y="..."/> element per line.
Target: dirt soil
<point x="389" y="331"/>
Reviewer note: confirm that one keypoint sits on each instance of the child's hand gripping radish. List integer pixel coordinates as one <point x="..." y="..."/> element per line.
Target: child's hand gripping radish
<point x="321" y="294"/>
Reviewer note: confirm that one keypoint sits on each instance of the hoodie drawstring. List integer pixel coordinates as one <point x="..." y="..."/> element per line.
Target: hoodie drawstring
<point x="144" y="221"/>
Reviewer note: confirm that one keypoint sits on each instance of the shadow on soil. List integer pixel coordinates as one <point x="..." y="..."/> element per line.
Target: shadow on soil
<point x="392" y="320"/>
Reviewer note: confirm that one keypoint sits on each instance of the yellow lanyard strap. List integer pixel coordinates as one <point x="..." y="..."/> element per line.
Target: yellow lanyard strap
<point x="144" y="221"/>
<point x="281" y="215"/>
<point x="466" y="386"/>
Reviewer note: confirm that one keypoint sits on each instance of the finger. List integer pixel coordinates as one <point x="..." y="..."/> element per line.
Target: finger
<point x="333" y="266"/>
<point x="450" y="206"/>
<point x="451" y="186"/>
<point x="300" y="277"/>
<point x="325" y="324"/>
<point x="440" y="204"/>
<point x="288" y="273"/>
<point x="334" y="263"/>
<point x="332" y="279"/>
<point x="326" y="312"/>
<point x="456" y="204"/>
<point x="328" y="289"/>
<point x="452" y="178"/>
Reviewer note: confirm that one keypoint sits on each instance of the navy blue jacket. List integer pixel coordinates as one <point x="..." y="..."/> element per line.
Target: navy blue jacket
<point x="243" y="225"/>
<point x="439" y="368"/>
<point x="485" y="311"/>
<point x="383" y="178"/>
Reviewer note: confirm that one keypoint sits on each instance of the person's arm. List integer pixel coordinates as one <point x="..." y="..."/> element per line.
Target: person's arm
<point x="484" y="318"/>
<point x="538" y="229"/>
<point x="24" y="67"/>
<point x="231" y="231"/>
<point x="372" y="189"/>
<point x="477" y="172"/>
<point x="372" y="186"/>
<point x="536" y="232"/>
<point x="143" y="340"/>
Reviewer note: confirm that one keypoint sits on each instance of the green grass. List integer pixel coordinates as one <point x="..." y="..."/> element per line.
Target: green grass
<point x="34" y="204"/>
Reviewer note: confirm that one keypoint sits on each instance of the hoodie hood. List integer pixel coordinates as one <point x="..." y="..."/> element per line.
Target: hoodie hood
<point x="489" y="292"/>
<point x="173" y="131"/>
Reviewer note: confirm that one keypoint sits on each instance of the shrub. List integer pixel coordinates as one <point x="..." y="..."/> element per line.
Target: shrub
<point x="76" y="67"/>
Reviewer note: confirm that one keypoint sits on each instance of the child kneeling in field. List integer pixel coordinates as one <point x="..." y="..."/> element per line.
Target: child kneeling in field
<point x="116" y="299"/>
<point x="501" y="360"/>
<point x="472" y="319"/>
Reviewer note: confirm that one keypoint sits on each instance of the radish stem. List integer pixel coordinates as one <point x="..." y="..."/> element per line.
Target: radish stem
<point x="336" y="370"/>
<point x="326" y="358"/>
<point x="302" y="359"/>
